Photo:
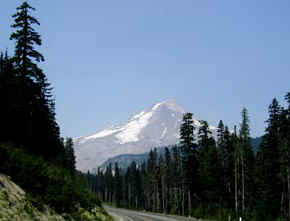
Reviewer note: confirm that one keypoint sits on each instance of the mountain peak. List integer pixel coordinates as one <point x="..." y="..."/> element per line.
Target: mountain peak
<point x="170" y="104"/>
<point x="153" y="127"/>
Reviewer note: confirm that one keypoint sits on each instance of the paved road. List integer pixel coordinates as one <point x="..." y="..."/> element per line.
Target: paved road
<point x="129" y="215"/>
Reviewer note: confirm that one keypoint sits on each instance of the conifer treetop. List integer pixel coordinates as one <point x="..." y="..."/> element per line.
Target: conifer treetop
<point x="26" y="37"/>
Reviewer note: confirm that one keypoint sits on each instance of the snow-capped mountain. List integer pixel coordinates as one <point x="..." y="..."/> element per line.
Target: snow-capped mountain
<point x="155" y="127"/>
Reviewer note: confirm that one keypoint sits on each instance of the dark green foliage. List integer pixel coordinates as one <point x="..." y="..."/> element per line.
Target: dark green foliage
<point x="69" y="156"/>
<point x="204" y="135"/>
<point x="117" y="186"/>
<point x="27" y="110"/>
<point x="189" y="162"/>
<point x="269" y="155"/>
<point x="255" y="143"/>
<point x="245" y="167"/>
<point x="273" y="164"/>
<point x="233" y="181"/>
<point x="36" y="157"/>
<point x="220" y="179"/>
<point x="226" y="158"/>
<point x="209" y="170"/>
<point x="45" y="182"/>
<point x="25" y="36"/>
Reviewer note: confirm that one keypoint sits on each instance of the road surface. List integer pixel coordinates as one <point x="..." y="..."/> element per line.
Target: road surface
<point x="130" y="215"/>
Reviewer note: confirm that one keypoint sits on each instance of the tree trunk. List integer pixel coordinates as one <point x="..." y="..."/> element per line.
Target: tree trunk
<point x="163" y="195"/>
<point x="129" y="195"/>
<point x="236" y="186"/>
<point x="189" y="202"/>
<point x="243" y="186"/>
<point x="288" y="187"/>
<point x="183" y="198"/>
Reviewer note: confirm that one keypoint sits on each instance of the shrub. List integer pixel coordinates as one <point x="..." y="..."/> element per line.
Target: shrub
<point x="45" y="182"/>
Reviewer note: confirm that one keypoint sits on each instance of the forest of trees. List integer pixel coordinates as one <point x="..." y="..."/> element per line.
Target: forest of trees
<point x="200" y="177"/>
<point x="203" y="177"/>
<point x="32" y="152"/>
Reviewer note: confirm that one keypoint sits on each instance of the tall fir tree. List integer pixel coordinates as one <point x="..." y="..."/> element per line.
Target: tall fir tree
<point x="118" y="188"/>
<point x="26" y="37"/>
<point x="35" y="106"/>
<point x="189" y="157"/>
<point x="270" y="164"/>
<point x="69" y="156"/>
<point x="247" y="164"/>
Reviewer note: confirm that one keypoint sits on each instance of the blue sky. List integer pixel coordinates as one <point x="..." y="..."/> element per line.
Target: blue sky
<point x="109" y="59"/>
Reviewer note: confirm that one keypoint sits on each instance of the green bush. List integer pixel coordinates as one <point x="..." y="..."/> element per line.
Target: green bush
<point x="45" y="182"/>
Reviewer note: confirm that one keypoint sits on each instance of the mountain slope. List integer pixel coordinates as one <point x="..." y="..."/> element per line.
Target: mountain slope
<point x="125" y="160"/>
<point x="154" y="127"/>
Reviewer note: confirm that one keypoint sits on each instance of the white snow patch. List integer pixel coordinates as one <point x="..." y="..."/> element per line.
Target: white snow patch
<point x="138" y="115"/>
<point x="102" y="133"/>
<point x="155" y="107"/>
<point x="170" y="104"/>
<point x="163" y="133"/>
<point x="196" y="122"/>
<point x="130" y="132"/>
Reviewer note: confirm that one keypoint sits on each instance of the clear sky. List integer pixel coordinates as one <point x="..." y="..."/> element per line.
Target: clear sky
<point x="108" y="59"/>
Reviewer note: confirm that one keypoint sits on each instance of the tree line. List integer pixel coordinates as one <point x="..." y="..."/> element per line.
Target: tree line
<point x="32" y="152"/>
<point x="220" y="178"/>
<point x="27" y="112"/>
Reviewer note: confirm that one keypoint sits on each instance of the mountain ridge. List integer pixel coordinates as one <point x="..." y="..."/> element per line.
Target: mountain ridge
<point x="153" y="127"/>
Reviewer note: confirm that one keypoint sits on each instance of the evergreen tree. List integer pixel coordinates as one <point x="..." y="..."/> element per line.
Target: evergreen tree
<point x="189" y="156"/>
<point x="69" y="156"/>
<point x="10" y="97"/>
<point x="209" y="169"/>
<point x="36" y="112"/>
<point x="220" y="133"/>
<point x="204" y="135"/>
<point x="168" y="175"/>
<point x="247" y="163"/>
<point x="220" y="180"/>
<point x="284" y="144"/>
<point x="270" y="165"/>
<point x="118" y="188"/>
<point x="26" y="37"/>
<point x="176" y="180"/>
<point x="227" y="162"/>
<point x="27" y="116"/>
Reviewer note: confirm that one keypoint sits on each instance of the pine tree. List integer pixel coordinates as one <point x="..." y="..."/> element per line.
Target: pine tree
<point x="10" y="96"/>
<point x="270" y="165"/>
<point x="220" y="133"/>
<point x="26" y="37"/>
<point x="209" y="169"/>
<point x="118" y="188"/>
<point x="176" y="180"/>
<point x="35" y="106"/>
<point x="189" y="156"/>
<point x="225" y="147"/>
<point x="151" y="180"/>
<point x="227" y="162"/>
<point x="168" y="174"/>
<point x="69" y="156"/>
<point x="108" y="179"/>
<point x="247" y="163"/>
<point x="284" y="158"/>
<point x="204" y="135"/>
